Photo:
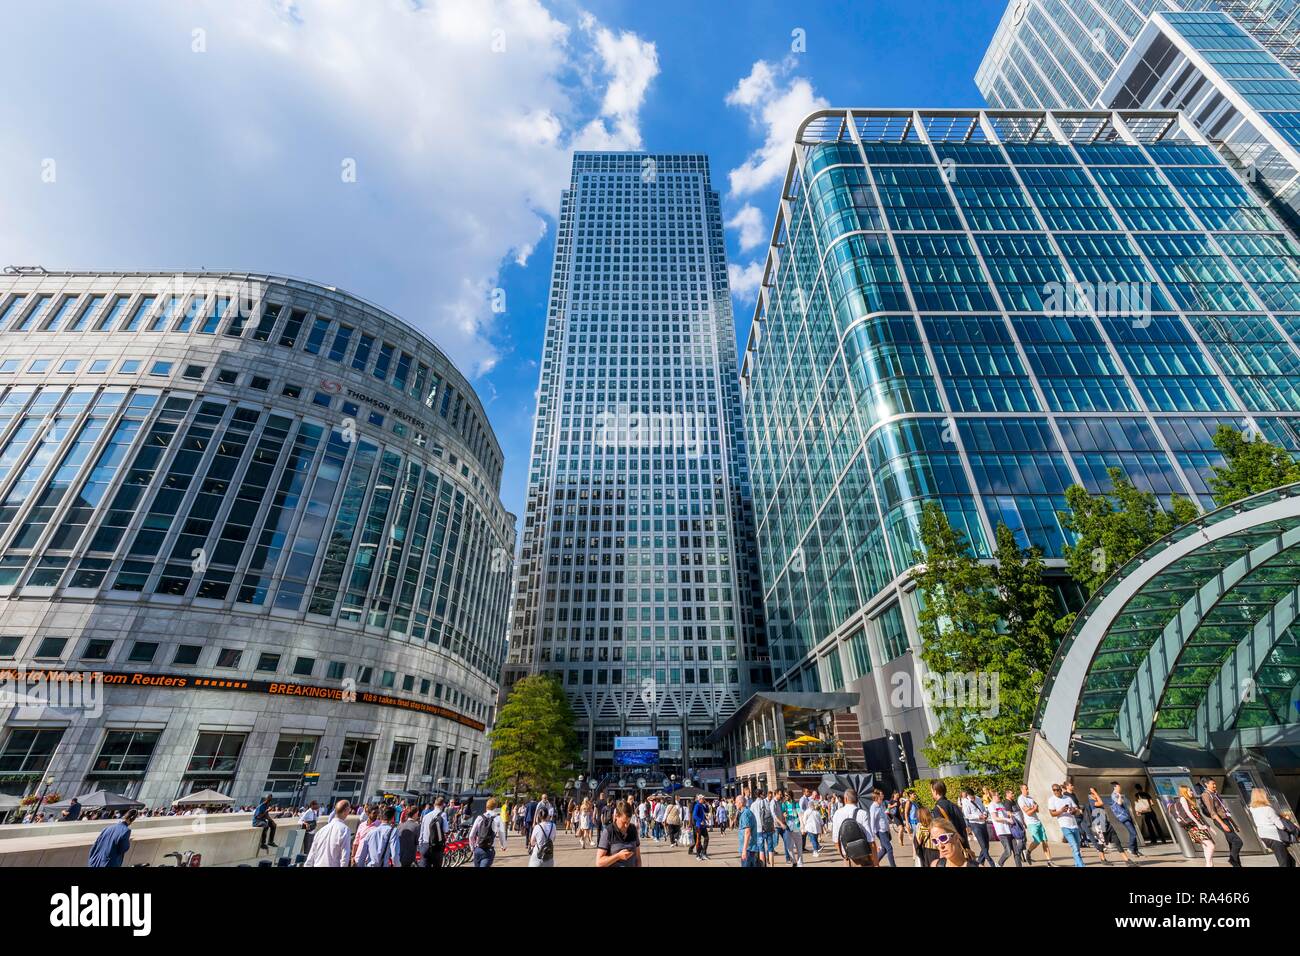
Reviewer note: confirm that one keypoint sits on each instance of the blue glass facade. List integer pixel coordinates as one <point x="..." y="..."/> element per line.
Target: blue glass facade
<point x="979" y="309"/>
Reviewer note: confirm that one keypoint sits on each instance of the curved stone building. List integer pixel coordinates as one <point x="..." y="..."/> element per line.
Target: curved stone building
<point x="250" y="532"/>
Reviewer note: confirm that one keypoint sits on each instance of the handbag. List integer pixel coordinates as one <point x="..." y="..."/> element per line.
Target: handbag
<point x="1143" y="806"/>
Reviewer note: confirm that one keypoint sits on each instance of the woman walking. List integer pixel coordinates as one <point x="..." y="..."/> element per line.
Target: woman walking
<point x="541" y="842"/>
<point x="1274" y="832"/>
<point x="1145" y="807"/>
<point x="1188" y="815"/>
<point x="585" y="822"/>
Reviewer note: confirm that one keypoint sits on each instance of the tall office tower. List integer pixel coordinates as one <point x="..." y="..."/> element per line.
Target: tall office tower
<point x="1233" y="66"/>
<point x="979" y="309"/>
<point x="264" y="514"/>
<point x="634" y="583"/>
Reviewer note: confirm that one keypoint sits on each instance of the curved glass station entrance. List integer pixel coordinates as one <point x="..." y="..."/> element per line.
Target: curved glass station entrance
<point x="1186" y="663"/>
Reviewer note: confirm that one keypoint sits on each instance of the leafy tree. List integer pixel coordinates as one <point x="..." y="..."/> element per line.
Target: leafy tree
<point x="1255" y="465"/>
<point x="958" y="622"/>
<point x="534" y="742"/>
<point x="986" y="619"/>
<point x="1111" y="529"/>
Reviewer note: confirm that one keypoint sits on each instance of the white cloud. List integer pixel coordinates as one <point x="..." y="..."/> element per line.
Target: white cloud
<point x="630" y="63"/>
<point x="745" y="280"/>
<point x="458" y="114"/>
<point x="776" y="102"/>
<point x="749" y="221"/>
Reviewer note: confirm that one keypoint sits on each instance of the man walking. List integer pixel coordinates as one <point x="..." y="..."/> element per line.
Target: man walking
<point x="483" y="835"/>
<point x="700" y="820"/>
<point x="1064" y="809"/>
<point x="333" y="843"/>
<point x="879" y="818"/>
<point x="1120" y="809"/>
<point x="851" y="832"/>
<point x="433" y="835"/>
<point x="309" y="820"/>
<point x="747" y="835"/>
<point x="1216" y="810"/>
<point x="112" y="843"/>
<point x="380" y="847"/>
<point x="1035" y="832"/>
<point x="977" y="820"/>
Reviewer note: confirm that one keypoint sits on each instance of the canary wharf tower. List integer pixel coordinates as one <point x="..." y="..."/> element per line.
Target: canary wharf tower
<point x="634" y="585"/>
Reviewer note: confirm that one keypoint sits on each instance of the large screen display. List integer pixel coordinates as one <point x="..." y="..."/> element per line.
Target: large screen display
<point x="636" y="751"/>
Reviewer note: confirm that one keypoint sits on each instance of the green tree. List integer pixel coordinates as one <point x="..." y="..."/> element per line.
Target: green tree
<point x="534" y="742"/>
<point x="981" y="623"/>
<point x="958" y="623"/>
<point x="1255" y="465"/>
<point x="1111" y="529"/>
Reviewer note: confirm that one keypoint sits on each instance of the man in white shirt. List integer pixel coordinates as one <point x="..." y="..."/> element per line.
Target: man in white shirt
<point x="764" y="827"/>
<point x="880" y="828"/>
<point x="309" y="820"/>
<point x="487" y="829"/>
<point x="333" y="842"/>
<point x="434" y="827"/>
<point x="860" y="817"/>
<point x="976" y="815"/>
<point x="1035" y="832"/>
<point x="1064" y="809"/>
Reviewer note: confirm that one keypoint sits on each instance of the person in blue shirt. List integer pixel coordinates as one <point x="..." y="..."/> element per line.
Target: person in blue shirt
<point x="746" y="830"/>
<point x="380" y="847"/>
<point x="700" y="820"/>
<point x="262" y="818"/>
<point x="111" y="845"/>
<point x="1119" y="806"/>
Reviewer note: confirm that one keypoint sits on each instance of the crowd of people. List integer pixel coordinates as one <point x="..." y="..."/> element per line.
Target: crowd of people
<point x="775" y="827"/>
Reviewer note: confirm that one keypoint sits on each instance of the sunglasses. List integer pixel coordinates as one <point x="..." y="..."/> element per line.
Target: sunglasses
<point x="942" y="838"/>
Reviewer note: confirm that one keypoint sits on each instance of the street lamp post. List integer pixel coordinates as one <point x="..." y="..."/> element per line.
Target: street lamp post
<point x="40" y="795"/>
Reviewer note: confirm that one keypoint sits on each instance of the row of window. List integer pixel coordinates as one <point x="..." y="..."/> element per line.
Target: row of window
<point x="97" y="650"/>
<point x="324" y="337"/>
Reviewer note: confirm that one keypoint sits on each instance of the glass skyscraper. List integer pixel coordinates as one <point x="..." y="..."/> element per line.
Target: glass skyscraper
<point x="1233" y="66"/>
<point x="980" y="308"/>
<point x="634" y="585"/>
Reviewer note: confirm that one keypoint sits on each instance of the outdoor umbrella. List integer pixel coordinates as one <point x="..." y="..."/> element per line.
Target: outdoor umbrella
<point x="690" y="793"/>
<point x="204" y="798"/>
<point x="100" y="800"/>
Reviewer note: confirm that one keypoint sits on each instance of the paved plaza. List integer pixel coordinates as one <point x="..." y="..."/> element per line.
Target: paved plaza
<point x="723" y="853"/>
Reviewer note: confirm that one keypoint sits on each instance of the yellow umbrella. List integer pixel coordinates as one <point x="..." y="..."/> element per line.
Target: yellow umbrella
<point x="796" y="743"/>
<point x="807" y="739"/>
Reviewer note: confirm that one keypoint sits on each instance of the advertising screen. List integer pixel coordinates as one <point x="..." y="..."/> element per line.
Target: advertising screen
<point x="636" y="751"/>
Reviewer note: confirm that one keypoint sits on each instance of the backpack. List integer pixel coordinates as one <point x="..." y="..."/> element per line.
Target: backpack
<point x="546" y="848"/>
<point x="437" y="834"/>
<point x="854" y="840"/>
<point x="764" y="815"/>
<point x="486" y="834"/>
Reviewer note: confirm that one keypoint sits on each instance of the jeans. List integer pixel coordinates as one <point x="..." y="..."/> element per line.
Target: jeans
<point x="431" y="855"/>
<point x="884" y="847"/>
<point x="1071" y="835"/>
<point x="817" y="847"/>
<point x="1011" y="847"/>
<point x="751" y="859"/>
<point x="981" y="832"/>
<point x="484" y="858"/>
<point x="1132" y="837"/>
<point x="1151" y="829"/>
<point x="792" y="851"/>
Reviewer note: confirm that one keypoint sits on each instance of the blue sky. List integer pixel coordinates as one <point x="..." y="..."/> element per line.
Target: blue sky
<point x="211" y="133"/>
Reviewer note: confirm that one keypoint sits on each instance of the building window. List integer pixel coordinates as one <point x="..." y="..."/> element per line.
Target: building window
<point x="51" y="648"/>
<point x="125" y="752"/>
<point x="160" y="368"/>
<point x="215" y="755"/>
<point x="336" y="670"/>
<point x="28" y="751"/>
<point x="303" y="666"/>
<point x="227" y="376"/>
<point x="267" y="662"/>
<point x="259" y="383"/>
<point x="194" y="372"/>
<point x="142" y="652"/>
<point x="229" y="657"/>
<point x="187" y="654"/>
<point x="99" y="366"/>
<point x="9" y="645"/>
<point x="399" y="762"/>
<point x="355" y="756"/>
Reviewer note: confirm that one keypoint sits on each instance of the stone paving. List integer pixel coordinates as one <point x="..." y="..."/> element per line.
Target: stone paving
<point x="723" y="853"/>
